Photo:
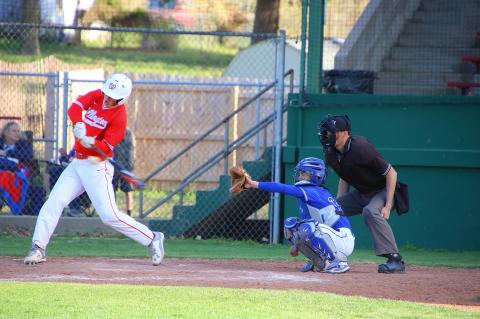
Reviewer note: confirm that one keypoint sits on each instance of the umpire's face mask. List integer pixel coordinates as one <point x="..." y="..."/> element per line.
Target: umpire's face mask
<point x="327" y="138"/>
<point x="328" y="128"/>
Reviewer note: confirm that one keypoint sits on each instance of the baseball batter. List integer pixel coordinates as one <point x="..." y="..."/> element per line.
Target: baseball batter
<point x="321" y="234"/>
<point x="99" y="119"/>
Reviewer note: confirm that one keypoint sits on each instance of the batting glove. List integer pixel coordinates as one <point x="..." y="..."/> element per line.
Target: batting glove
<point x="87" y="141"/>
<point x="79" y="130"/>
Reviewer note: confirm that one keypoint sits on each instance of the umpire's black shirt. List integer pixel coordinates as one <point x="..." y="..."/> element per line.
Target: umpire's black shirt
<point x="360" y="165"/>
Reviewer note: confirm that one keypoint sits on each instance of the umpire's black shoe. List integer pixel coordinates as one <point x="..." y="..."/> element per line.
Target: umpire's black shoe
<point x="394" y="264"/>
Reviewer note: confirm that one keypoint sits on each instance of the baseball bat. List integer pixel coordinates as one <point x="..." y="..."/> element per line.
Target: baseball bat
<point x="122" y="171"/>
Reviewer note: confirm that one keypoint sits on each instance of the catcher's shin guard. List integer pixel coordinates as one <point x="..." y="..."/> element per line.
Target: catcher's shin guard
<point x="318" y="261"/>
<point x="291" y="234"/>
<point x="322" y="246"/>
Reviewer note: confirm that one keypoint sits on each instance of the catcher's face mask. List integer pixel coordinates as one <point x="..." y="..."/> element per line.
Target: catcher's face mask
<point x="299" y="176"/>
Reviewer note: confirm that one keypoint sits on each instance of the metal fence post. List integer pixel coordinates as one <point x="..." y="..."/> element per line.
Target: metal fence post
<point x="279" y="71"/>
<point x="225" y="142"/>
<point x="65" y="109"/>
<point x="257" y="120"/>
<point x="51" y="120"/>
<point x="140" y="203"/>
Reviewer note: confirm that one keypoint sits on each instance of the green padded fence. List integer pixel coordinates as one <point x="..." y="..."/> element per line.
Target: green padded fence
<point x="433" y="143"/>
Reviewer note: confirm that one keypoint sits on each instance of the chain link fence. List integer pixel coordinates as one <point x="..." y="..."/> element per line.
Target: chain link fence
<point x="415" y="47"/>
<point x="190" y="83"/>
<point x="194" y="112"/>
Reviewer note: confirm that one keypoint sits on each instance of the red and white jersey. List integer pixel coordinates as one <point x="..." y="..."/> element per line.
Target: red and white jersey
<point x="107" y="125"/>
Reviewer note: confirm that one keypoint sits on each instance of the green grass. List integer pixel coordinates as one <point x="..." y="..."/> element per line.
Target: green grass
<point x="49" y="300"/>
<point x="219" y="249"/>
<point x="189" y="59"/>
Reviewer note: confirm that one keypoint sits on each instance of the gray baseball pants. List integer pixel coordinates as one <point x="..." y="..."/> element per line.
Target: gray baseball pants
<point x="354" y="203"/>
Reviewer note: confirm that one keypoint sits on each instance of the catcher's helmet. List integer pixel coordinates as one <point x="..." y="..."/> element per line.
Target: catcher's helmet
<point x="332" y="124"/>
<point x="314" y="167"/>
<point x="118" y="86"/>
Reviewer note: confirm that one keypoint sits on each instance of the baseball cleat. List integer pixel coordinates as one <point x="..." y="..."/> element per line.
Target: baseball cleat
<point x="337" y="267"/>
<point x="36" y="255"/>
<point x="156" y="248"/>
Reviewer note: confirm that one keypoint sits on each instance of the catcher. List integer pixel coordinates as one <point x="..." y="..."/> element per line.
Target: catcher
<point x="320" y="234"/>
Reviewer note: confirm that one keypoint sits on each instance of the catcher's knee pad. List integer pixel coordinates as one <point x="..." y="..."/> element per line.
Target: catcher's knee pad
<point x="306" y="231"/>
<point x="290" y="227"/>
<point x="319" y="242"/>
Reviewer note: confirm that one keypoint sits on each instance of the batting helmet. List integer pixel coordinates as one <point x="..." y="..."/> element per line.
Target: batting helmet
<point x="118" y="86"/>
<point x="315" y="169"/>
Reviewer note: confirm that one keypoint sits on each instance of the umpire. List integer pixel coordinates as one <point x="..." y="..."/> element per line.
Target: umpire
<point x="358" y="163"/>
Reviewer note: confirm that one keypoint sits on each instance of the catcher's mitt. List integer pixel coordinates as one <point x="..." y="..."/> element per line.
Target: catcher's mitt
<point x="238" y="176"/>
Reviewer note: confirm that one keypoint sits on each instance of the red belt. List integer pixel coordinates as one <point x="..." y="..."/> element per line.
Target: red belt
<point x="81" y="156"/>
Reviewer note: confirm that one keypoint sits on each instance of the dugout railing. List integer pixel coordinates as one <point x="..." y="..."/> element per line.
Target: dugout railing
<point x="222" y="155"/>
<point x="214" y="159"/>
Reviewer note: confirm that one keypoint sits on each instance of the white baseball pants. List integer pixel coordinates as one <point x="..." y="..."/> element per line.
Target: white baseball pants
<point x="343" y="239"/>
<point x="96" y="179"/>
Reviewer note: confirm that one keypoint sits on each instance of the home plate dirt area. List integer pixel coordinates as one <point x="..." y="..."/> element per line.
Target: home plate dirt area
<point x="445" y="286"/>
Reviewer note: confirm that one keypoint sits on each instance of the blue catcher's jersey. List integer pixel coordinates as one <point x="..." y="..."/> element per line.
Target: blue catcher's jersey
<point x="314" y="202"/>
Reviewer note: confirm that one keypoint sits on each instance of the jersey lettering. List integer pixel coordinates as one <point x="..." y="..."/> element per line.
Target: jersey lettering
<point x="332" y="200"/>
<point x="92" y="119"/>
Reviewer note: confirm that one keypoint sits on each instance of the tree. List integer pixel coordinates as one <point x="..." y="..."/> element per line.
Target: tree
<point x="31" y="14"/>
<point x="267" y="16"/>
<point x="77" y="35"/>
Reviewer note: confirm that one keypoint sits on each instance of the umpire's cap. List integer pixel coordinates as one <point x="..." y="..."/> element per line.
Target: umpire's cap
<point x="335" y="123"/>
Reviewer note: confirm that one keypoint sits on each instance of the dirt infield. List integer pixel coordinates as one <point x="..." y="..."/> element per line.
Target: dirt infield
<point x="459" y="287"/>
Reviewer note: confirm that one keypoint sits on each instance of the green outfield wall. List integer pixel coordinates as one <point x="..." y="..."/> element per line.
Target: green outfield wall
<point x="433" y="143"/>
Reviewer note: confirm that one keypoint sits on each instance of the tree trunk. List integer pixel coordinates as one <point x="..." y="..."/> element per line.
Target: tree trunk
<point x="266" y="17"/>
<point x="77" y="36"/>
<point x="31" y="14"/>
